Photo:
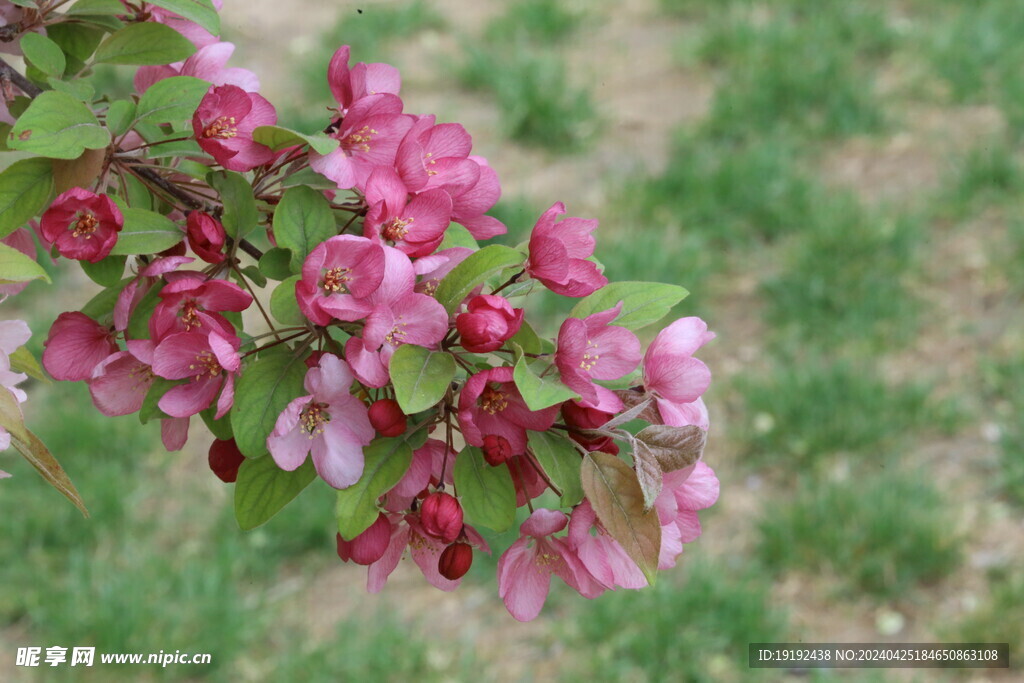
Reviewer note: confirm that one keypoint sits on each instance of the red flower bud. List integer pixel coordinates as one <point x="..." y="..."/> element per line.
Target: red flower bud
<point x="313" y="359"/>
<point x="369" y="546"/>
<point x="496" y="449"/>
<point x="582" y="416"/>
<point x="455" y="561"/>
<point x="387" y="417"/>
<point x="206" y="236"/>
<point x="225" y="459"/>
<point x="489" y="323"/>
<point x="441" y="516"/>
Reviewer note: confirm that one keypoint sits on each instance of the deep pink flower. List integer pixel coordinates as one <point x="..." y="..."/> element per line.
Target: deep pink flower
<point x="209" y="63"/>
<point x="210" y="361"/>
<point x="75" y="346"/>
<point x="206" y="236"/>
<point x="559" y="253"/>
<point x="415" y="226"/>
<point x="433" y="268"/>
<point x="329" y="422"/>
<point x="469" y="207"/>
<point x="387" y="417"/>
<point x="525" y="569"/>
<point x="338" y="276"/>
<point x="490" y="403"/>
<point x="578" y="415"/>
<point x="488" y="323"/>
<point x="369" y="546"/>
<point x="119" y="383"/>
<point x="455" y="561"/>
<point x="441" y="516"/>
<point x="436" y="156"/>
<point x="428" y="461"/>
<point x="223" y="126"/>
<point x="592" y="349"/>
<point x="370" y="134"/>
<point x="224" y="459"/>
<point x="192" y="303"/>
<point x="676" y="378"/>
<point x="140" y="285"/>
<point x="82" y="225"/>
<point x="351" y="84"/>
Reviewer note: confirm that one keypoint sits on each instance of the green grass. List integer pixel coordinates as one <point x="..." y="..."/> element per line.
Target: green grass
<point x="806" y="408"/>
<point x="1002" y="381"/>
<point x="986" y="175"/>
<point x="881" y="530"/>
<point x="1000" y="616"/>
<point x="697" y="629"/>
<point x="541" y="22"/>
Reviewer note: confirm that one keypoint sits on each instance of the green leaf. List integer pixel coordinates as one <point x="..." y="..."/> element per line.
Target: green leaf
<point x="25" y="188"/>
<point x="612" y="488"/>
<point x="106" y="273"/>
<point x="265" y="388"/>
<point x="456" y="235"/>
<point x="276" y="138"/>
<point x="560" y="460"/>
<point x="80" y="90"/>
<point x="101" y="307"/>
<point x="171" y="100"/>
<point x="43" y="53"/>
<point x="255" y="276"/>
<point x="283" y="304"/>
<point x="420" y="376"/>
<point x="263" y="489"/>
<point x="146" y="43"/>
<point x="96" y="7"/>
<point x="487" y="493"/>
<point x="58" y="126"/>
<point x="120" y="115"/>
<point x="385" y="461"/>
<point x="240" y="213"/>
<point x="481" y="265"/>
<point x="78" y="42"/>
<point x="150" y="410"/>
<point x="16" y="267"/>
<point x="138" y="322"/>
<point x="221" y="428"/>
<point x="527" y="339"/>
<point x="276" y="263"/>
<point x="643" y="303"/>
<point x="146" y="232"/>
<point x="302" y="220"/>
<point x="22" y="360"/>
<point x="201" y="12"/>
<point x="540" y="392"/>
<point x="35" y="451"/>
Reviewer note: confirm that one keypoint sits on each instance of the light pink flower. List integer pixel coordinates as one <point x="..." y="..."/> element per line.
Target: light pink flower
<point x="13" y="335"/>
<point x="211" y="363"/>
<point x="683" y="493"/>
<point x="349" y="85"/>
<point x="676" y="378"/>
<point x="223" y="126"/>
<point x="134" y="291"/>
<point x="490" y="404"/>
<point x="601" y="554"/>
<point x="75" y="346"/>
<point x="592" y="349"/>
<point x="414" y="225"/>
<point x="192" y="303"/>
<point x="329" y="422"/>
<point x="82" y="225"/>
<point x="338" y="276"/>
<point x="209" y="63"/>
<point x="199" y="36"/>
<point x="559" y="253"/>
<point x="525" y="569"/>
<point x="119" y="383"/>
<point x="433" y="268"/>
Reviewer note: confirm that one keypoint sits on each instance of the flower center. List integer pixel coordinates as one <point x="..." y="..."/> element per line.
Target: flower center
<point x="206" y="364"/>
<point x="360" y="139"/>
<point x="590" y="356"/>
<point x="190" y="314"/>
<point x="335" y="279"/>
<point x="86" y="225"/>
<point x="313" y="419"/>
<point x="493" y="401"/>
<point x="397" y="335"/>
<point x="396" y="228"/>
<point x="222" y="128"/>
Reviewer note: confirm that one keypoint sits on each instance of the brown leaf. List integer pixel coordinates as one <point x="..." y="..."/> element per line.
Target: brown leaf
<point x="615" y="494"/>
<point x="35" y="451"/>
<point x="648" y="473"/>
<point x="634" y="398"/>
<point x="80" y="172"/>
<point x="673" y="447"/>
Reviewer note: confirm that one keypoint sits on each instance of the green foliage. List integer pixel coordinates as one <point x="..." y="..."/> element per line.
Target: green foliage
<point x="171" y="100"/>
<point x="560" y="460"/>
<point x="540" y="389"/>
<point x="302" y="220"/>
<point x="643" y="303"/>
<point x="487" y="494"/>
<point x="265" y="388"/>
<point x="466" y="276"/>
<point x="263" y="488"/>
<point x="58" y="126"/>
<point x="386" y="460"/>
<point x="25" y="187"/>
<point x="146" y="232"/>
<point x="881" y="530"/>
<point x="240" y="213"/>
<point x="1002" y="381"/>
<point x="420" y="377"/>
<point x="1000" y="616"/>
<point x="540" y="22"/>
<point x="144" y="43"/>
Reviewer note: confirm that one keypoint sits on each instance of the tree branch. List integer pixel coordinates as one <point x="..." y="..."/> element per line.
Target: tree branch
<point x="26" y="86"/>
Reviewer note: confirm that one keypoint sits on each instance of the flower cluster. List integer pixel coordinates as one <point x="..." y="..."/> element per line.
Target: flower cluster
<point x="323" y="303"/>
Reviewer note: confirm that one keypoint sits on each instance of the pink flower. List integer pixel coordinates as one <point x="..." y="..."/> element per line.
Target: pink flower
<point x="469" y="206"/>
<point x="194" y="32"/>
<point x="436" y="156"/>
<point x="369" y="134"/>
<point x="441" y="516"/>
<point x="490" y="403"/>
<point x="223" y="126"/>
<point x="329" y="422"/>
<point x="337" y="276"/>
<point x="350" y="85"/>
<point x="387" y="417"/>
<point x="119" y="383"/>
<point x="489" y="322"/>
<point x="525" y="569"/>
<point x="206" y="236"/>
<point x="559" y="253"/>
<point x="210" y="361"/>
<point x="13" y="335"/>
<point x="369" y="546"/>
<point x="601" y="554"/>
<point x="425" y="469"/>
<point x="75" y="346"/>
<point x="683" y="493"/>
<point x="592" y="349"/>
<point x="676" y="378"/>
<point x="208" y="63"/>
<point x="82" y="225"/>
<point x="414" y="226"/>
<point x="576" y="414"/>
<point x="192" y="302"/>
<point x="433" y="268"/>
<point x="140" y="285"/>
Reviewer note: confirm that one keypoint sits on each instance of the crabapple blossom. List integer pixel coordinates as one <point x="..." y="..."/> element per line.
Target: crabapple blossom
<point x="490" y="403"/>
<point x="559" y="253"/>
<point x="675" y="377"/>
<point x="210" y="362"/>
<point x="387" y="417"/>
<point x="592" y="349"/>
<point x="441" y="516"/>
<point x="75" y="346"/>
<point x="488" y="322"/>
<point x="206" y="237"/>
<point x="223" y="126"/>
<point x="82" y="225"/>
<point x="369" y="546"/>
<point x="225" y="459"/>
<point x="455" y="561"/>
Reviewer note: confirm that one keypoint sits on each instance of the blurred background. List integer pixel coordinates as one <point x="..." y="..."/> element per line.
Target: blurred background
<point x="838" y="183"/>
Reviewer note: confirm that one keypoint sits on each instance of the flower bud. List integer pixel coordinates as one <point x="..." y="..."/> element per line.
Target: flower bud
<point x="489" y="323"/>
<point x="455" y="561"/>
<point x="206" y="236"/>
<point x="369" y="546"/>
<point x="584" y="417"/>
<point x="441" y="516"/>
<point x="496" y="449"/>
<point x="387" y="417"/>
<point x="225" y="459"/>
